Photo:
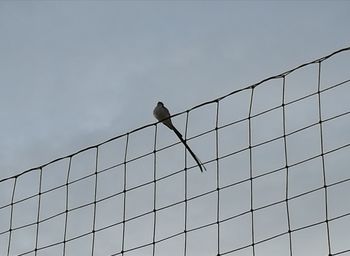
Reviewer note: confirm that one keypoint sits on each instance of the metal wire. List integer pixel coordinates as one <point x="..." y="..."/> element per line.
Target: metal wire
<point x="217" y="192"/>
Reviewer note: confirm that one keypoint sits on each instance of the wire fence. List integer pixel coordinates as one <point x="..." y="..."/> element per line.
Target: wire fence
<point x="277" y="179"/>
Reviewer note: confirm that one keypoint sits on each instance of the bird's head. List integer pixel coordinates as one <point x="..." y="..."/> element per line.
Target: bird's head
<point x="160" y="103"/>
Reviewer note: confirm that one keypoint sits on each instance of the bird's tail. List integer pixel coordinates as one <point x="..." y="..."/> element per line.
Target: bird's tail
<point x="199" y="163"/>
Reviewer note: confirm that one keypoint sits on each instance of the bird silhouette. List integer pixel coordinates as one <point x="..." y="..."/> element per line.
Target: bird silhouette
<point x="162" y="114"/>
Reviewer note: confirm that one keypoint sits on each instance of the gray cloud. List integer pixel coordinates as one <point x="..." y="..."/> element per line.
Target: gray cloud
<point x="74" y="74"/>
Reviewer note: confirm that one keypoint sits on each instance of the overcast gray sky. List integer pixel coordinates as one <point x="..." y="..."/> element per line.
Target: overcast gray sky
<point x="75" y="73"/>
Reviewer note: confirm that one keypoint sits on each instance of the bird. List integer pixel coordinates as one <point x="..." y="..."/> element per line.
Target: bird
<point x="162" y="114"/>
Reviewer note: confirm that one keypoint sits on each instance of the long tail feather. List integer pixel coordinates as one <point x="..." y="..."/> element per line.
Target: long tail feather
<point x="199" y="163"/>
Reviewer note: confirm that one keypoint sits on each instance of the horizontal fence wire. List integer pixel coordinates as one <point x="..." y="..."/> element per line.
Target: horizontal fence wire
<point x="276" y="183"/>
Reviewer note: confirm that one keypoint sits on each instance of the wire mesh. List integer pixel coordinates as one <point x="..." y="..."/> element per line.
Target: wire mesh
<point x="277" y="180"/>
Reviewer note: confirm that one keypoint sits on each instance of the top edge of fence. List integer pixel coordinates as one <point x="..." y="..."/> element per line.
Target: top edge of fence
<point x="252" y="86"/>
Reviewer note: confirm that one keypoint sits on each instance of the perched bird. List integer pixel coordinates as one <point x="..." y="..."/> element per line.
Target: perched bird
<point x="161" y="113"/>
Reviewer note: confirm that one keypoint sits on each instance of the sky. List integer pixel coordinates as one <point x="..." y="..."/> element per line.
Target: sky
<point x="76" y="73"/>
